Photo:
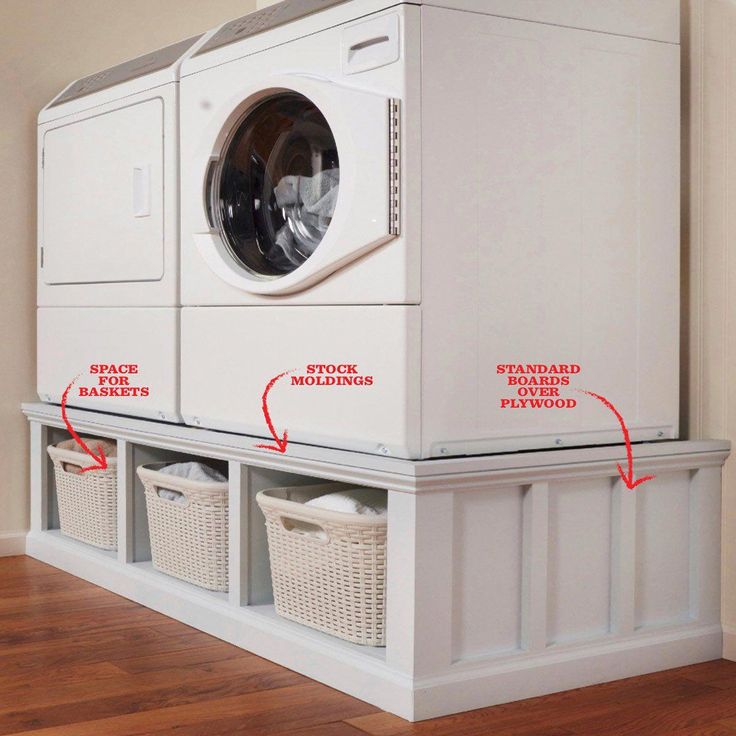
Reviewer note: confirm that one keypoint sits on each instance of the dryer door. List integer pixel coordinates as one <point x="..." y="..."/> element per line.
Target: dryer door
<point x="301" y="182"/>
<point x="102" y="197"/>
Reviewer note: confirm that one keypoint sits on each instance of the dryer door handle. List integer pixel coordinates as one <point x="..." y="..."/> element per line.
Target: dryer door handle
<point x="142" y="190"/>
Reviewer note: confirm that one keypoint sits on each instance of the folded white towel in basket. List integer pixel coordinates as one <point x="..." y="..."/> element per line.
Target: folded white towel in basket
<point x="194" y="471"/>
<point x="364" y="501"/>
<point x="190" y="471"/>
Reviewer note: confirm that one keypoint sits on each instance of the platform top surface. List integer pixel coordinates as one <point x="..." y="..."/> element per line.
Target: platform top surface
<point x="387" y="472"/>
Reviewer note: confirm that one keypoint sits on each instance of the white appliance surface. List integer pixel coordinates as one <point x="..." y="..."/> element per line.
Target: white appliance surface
<point x="563" y="220"/>
<point x="108" y="180"/>
<point x="223" y="380"/>
<point x="360" y="260"/>
<point x="108" y="233"/>
<point x="536" y="180"/>
<point x="103" y="195"/>
<point x="70" y="340"/>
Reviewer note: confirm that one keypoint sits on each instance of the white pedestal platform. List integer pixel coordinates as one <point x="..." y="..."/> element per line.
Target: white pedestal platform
<point x="509" y="576"/>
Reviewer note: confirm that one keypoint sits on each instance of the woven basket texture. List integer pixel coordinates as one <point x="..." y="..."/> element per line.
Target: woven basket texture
<point x="88" y="508"/>
<point x="328" y="568"/>
<point x="189" y="542"/>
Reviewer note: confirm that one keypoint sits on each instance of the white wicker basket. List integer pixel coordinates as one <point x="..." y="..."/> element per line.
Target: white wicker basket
<point x="189" y="540"/>
<point x="328" y="567"/>
<point x="88" y="502"/>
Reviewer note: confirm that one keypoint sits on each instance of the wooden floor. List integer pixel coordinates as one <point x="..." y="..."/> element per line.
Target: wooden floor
<point x="76" y="660"/>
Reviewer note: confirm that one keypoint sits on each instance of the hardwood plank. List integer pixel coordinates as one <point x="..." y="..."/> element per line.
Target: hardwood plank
<point x="689" y="713"/>
<point x="315" y="714"/>
<point x="38" y="617"/>
<point x="61" y="601"/>
<point x="706" y="672"/>
<point x="381" y="724"/>
<point x="27" y="695"/>
<point x="79" y="661"/>
<point x="386" y="724"/>
<point x="169" y="627"/>
<point x="31" y="585"/>
<point x="96" y="647"/>
<point x="324" y="729"/>
<point x="25" y="565"/>
<point x="724" y="683"/>
<point x="18" y="629"/>
<point x="56" y="676"/>
<point x="77" y="707"/>
<point x="250" y="711"/>
<point x="198" y="655"/>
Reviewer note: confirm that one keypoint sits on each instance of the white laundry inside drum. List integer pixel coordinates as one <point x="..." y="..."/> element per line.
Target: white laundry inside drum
<point x="308" y="204"/>
<point x="276" y="187"/>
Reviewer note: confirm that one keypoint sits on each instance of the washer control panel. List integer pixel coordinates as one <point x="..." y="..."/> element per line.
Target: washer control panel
<point x="263" y="20"/>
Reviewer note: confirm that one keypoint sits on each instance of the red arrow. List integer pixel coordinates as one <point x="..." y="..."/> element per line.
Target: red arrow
<point x="627" y="478"/>
<point x="281" y="442"/>
<point x="101" y="460"/>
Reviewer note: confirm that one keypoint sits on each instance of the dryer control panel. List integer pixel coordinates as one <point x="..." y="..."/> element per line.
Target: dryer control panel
<point x="263" y="20"/>
<point x="132" y="69"/>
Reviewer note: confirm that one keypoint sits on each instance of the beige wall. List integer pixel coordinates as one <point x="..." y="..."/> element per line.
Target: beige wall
<point x="710" y="96"/>
<point x="45" y="44"/>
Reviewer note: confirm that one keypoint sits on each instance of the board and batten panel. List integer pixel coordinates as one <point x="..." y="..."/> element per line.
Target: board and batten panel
<point x="487" y="576"/>
<point x="579" y="562"/>
<point x="663" y="550"/>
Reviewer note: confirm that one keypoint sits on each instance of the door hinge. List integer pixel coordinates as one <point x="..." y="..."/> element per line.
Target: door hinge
<point x="41" y="256"/>
<point x="394" y="131"/>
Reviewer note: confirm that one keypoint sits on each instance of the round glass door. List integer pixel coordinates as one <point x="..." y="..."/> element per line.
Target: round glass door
<point x="275" y="190"/>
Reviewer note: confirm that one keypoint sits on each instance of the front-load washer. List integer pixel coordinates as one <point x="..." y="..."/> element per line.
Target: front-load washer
<point x="108" y="236"/>
<point x="414" y="230"/>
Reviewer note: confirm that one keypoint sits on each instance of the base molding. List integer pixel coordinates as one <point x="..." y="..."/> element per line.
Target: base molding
<point x="729" y="642"/>
<point x="12" y="543"/>
<point x="566" y="669"/>
<point x="363" y="671"/>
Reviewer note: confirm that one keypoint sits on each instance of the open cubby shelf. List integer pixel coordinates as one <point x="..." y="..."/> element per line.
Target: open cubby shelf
<point x="508" y="576"/>
<point x="250" y="570"/>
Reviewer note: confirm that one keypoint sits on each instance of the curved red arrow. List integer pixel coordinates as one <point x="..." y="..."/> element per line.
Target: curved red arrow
<point x="101" y="460"/>
<point x="627" y="478"/>
<point x="283" y="441"/>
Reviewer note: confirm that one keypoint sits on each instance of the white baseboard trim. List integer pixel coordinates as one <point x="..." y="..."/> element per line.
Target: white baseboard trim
<point x="581" y="666"/>
<point x="363" y="671"/>
<point x="729" y="642"/>
<point x="12" y="543"/>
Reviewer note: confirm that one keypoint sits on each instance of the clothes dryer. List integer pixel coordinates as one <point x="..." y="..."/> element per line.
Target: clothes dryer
<point x="108" y="234"/>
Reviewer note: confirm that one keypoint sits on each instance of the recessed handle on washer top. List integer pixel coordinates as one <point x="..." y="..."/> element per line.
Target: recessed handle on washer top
<point x="371" y="44"/>
<point x="142" y="191"/>
<point x="358" y="47"/>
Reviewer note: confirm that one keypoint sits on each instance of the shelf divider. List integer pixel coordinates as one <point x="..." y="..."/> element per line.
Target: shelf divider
<point x="126" y="491"/>
<point x="239" y="513"/>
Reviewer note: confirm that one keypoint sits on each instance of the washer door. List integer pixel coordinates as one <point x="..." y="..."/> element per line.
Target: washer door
<point x="300" y="183"/>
